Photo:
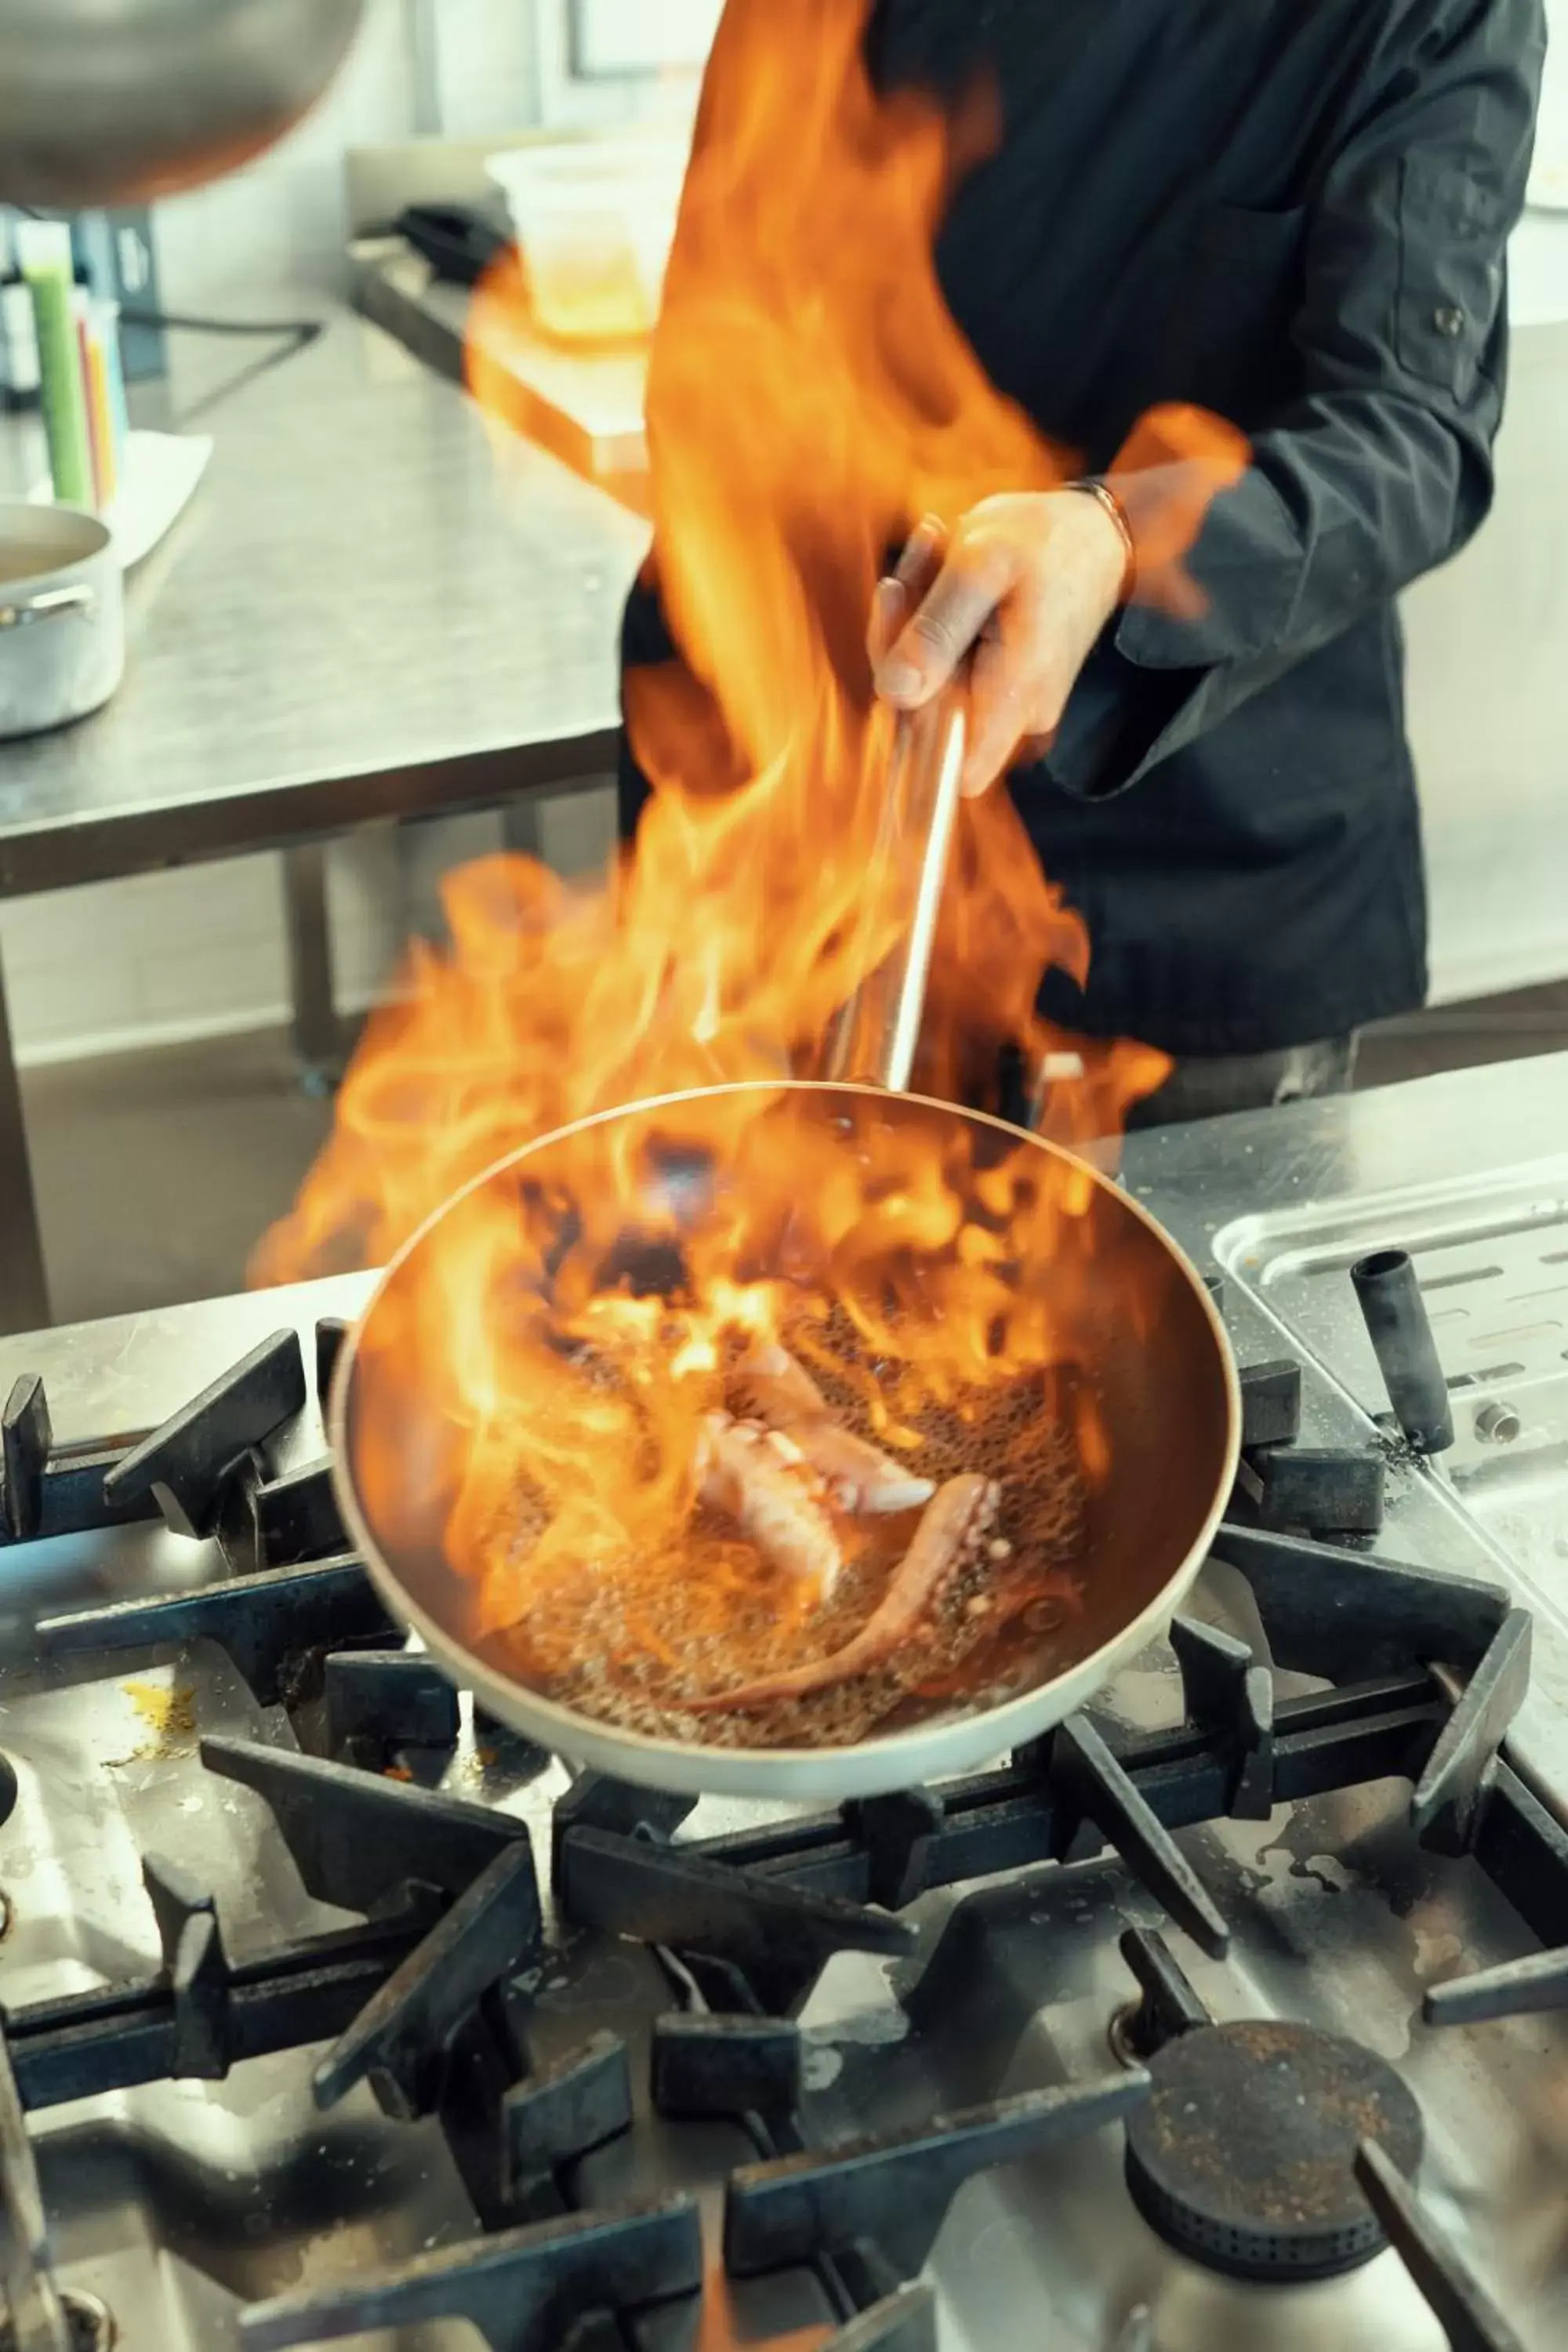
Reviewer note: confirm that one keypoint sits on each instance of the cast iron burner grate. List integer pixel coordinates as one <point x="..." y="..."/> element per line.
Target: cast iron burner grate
<point x="202" y="1471"/>
<point x="430" y="2000"/>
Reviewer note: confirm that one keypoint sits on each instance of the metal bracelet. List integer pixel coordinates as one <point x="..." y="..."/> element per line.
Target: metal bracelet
<point x="1092" y="487"/>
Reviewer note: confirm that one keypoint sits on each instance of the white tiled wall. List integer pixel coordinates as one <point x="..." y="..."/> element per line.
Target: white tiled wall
<point x="129" y="959"/>
<point x="164" y="957"/>
<point x="279" y="222"/>
<point x="487" y="63"/>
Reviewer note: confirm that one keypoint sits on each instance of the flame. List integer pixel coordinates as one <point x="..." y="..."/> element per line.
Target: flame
<point x="952" y="1250"/>
<point x="718" y="2322"/>
<point x="810" y="398"/>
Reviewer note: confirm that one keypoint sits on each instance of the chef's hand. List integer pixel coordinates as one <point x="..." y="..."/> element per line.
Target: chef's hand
<point x="1019" y="592"/>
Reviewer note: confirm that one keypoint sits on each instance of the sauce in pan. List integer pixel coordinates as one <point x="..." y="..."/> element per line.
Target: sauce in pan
<point x="636" y="1641"/>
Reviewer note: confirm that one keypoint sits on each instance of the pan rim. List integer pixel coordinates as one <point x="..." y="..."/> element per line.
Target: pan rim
<point x="860" y="1768"/>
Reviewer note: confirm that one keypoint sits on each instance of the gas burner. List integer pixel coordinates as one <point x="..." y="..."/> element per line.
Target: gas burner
<point x="1244" y="2156"/>
<point x="512" y="2014"/>
<point x="1272" y="2163"/>
<point x="89" y="2325"/>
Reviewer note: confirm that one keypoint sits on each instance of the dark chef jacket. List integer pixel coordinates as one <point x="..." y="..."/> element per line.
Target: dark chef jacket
<point x="1292" y="212"/>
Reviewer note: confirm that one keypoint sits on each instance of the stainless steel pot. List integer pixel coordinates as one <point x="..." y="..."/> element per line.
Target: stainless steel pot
<point x="62" y="625"/>
<point x="1145" y="1338"/>
<point x="114" y="101"/>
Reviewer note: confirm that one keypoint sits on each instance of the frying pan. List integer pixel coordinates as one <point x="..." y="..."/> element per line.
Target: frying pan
<point x="1144" y="1337"/>
<point x="1124" y="1307"/>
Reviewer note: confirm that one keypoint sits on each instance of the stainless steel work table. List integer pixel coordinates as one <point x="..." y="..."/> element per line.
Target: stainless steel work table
<point x="369" y="610"/>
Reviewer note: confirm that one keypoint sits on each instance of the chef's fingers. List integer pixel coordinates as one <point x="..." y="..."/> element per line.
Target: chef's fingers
<point x="999" y="714"/>
<point x="900" y="589"/>
<point x="974" y="577"/>
<point x="921" y="561"/>
<point x="890" y="609"/>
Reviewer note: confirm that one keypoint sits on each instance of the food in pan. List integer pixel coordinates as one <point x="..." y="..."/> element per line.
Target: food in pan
<point x="777" y="1391"/>
<point x="834" y="1562"/>
<point x="762" y="1480"/>
<point x="954" y="1535"/>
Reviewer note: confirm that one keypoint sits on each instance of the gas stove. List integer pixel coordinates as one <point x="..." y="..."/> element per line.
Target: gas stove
<point x="1233" y="2014"/>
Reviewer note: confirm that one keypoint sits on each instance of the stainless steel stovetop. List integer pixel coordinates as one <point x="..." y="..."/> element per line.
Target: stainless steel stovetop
<point x="172" y="2208"/>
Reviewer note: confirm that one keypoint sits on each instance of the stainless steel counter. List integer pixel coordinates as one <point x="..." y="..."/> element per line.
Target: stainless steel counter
<point x="585" y="408"/>
<point x="1475" y="1155"/>
<point x="369" y="610"/>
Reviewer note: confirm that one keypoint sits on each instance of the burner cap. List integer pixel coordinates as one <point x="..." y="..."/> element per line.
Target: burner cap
<point x="1241" y="2157"/>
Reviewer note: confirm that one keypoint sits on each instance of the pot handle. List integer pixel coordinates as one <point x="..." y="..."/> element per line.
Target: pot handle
<point x="78" y="602"/>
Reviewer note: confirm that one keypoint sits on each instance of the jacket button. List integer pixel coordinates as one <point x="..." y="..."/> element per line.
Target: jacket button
<point x="1448" y="320"/>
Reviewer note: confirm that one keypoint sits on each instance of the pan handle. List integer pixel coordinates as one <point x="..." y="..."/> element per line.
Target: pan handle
<point x="875" y="1033"/>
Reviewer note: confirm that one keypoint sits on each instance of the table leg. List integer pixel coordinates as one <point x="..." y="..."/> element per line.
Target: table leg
<point x="521" y="830"/>
<point x="318" y="1040"/>
<point x="24" y="1290"/>
<point x="583" y="826"/>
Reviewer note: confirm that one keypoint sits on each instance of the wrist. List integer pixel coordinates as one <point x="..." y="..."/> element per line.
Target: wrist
<point x="1123" y="557"/>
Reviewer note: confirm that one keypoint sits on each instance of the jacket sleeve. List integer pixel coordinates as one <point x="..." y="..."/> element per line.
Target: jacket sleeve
<point x="1381" y="466"/>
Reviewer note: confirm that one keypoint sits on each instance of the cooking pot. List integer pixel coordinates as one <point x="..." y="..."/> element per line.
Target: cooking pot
<point x="116" y="101"/>
<point x="62" y="624"/>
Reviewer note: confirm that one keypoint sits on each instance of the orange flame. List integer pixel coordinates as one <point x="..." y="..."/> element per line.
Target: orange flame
<point x="810" y="398"/>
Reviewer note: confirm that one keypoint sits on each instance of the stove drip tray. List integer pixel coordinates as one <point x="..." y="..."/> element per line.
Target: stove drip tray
<point x="1243" y="2156"/>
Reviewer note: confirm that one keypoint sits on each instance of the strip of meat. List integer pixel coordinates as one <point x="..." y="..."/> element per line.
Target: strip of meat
<point x="954" y="1531"/>
<point x="772" y="1386"/>
<point x="764" y="1484"/>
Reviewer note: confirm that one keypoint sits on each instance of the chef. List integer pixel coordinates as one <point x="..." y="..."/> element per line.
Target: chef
<point x="1294" y="214"/>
